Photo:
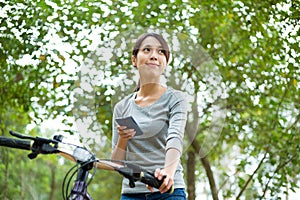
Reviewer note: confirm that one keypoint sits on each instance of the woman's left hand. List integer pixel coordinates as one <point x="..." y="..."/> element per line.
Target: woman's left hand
<point x="162" y="174"/>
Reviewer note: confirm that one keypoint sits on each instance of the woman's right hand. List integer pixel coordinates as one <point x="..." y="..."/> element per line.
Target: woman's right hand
<point x="125" y="133"/>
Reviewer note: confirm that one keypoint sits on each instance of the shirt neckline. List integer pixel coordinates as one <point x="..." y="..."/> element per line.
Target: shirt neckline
<point x="149" y="106"/>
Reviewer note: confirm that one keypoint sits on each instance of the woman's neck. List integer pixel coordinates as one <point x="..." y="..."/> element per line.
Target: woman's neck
<point x="149" y="94"/>
<point x="151" y="89"/>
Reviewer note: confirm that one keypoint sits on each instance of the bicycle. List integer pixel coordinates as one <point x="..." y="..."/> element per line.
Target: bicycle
<point x="85" y="161"/>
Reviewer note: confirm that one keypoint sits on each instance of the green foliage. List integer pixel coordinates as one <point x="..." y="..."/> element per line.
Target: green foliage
<point x="250" y="47"/>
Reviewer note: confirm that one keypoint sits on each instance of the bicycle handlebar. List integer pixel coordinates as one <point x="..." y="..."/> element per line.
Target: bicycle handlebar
<point x="135" y="173"/>
<point x="80" y="154"/>
<point x="15" y="143"/>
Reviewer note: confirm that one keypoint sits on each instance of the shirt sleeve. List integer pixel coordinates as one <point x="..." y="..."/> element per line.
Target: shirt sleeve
<point x="115" y="134"/>
<point x="177" y="122"/>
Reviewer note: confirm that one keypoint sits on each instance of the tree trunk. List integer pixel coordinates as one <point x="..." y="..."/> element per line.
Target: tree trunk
<point x="23" y="185"/>
<point x="52" y="191"/>
<point x="192" y="129"/>
<point x="191" y="163"/>
<point x="207" y="167"/>
<point x="5" y="158"/>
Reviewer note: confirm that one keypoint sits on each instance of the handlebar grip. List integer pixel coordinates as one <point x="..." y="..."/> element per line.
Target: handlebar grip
<point x="15" y="143"/>
<point x="149" y="179"/>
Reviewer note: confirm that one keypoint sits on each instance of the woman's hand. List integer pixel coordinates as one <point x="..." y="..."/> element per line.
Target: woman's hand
<point x="120" y="149"/>
<point x="162" y="174"/>
<point x="125" y="133"/>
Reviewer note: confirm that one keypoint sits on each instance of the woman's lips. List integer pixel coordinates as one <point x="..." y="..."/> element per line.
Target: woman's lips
<point x="153" y="65"/>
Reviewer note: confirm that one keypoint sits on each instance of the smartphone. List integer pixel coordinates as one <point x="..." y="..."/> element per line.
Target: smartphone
<point x="130" y="123"/>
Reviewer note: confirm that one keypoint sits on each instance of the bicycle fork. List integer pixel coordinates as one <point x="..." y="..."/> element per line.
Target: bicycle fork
<point x="79" y="190"/>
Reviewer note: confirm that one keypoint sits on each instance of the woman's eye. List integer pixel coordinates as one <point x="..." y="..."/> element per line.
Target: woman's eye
<point x="161" y="51"/>
<point x="146" y="50"/>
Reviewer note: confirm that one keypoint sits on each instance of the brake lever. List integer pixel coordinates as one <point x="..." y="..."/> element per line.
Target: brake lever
<point x="39" y="145"/>
<point x="38" y="140"/>
<point x="18" y="135"/>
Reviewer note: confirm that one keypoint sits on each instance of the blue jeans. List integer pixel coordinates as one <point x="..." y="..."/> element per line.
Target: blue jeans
<point x="178" y="194"/>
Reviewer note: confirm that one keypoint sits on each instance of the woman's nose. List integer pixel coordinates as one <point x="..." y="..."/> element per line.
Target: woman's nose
<point x="153" y="55"/>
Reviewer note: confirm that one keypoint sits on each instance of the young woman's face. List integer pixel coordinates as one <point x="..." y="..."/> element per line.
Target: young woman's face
<point x="150" y="56"/>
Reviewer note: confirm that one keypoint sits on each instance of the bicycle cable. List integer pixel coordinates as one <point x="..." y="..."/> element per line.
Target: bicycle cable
<point x="65" y="191"/>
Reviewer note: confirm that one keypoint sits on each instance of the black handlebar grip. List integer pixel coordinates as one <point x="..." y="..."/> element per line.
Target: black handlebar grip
<point x="15" y="143"/>
<point x="149" y="179"/>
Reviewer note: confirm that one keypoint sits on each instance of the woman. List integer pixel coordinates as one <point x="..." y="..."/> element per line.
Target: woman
<point x="160" y="112"/>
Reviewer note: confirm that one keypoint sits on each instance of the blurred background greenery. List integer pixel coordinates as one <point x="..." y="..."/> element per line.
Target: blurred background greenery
<point x="65" y="63"/>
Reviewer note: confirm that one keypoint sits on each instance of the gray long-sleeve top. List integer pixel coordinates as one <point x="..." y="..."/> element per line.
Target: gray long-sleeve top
<point x="163" y="124"/>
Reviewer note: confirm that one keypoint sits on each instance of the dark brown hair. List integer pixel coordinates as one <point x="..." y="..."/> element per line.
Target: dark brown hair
<point x="139" y="42"/>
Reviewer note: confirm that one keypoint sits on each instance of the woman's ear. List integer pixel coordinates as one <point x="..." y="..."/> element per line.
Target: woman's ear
<point x="133" y="60"/>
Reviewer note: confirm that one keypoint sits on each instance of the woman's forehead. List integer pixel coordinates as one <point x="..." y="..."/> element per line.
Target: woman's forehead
<point x="151" y="42"/>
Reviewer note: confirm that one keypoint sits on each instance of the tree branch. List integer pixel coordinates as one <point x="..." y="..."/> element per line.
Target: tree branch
<point x="280" y="103"/>
<point x="251" y="177"/>
<point x="226" y="180"/>
<point x="279" y="167"/>
<point x="294" y="123"/>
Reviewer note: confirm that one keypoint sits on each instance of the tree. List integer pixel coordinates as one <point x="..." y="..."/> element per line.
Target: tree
<point x="261" y="76"/>
<point x="236" y="59"/>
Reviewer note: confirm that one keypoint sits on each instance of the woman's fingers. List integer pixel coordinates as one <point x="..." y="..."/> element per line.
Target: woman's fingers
<point x="159" y="174"/>
<point x="150" y="188"/>
<point x="126" y="133"/>
<point x="168" y="181"/>
<point x="167" y="184"/>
